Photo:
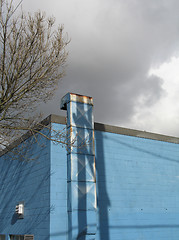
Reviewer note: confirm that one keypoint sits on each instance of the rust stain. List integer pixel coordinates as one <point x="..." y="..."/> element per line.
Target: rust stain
<point x="83" y="96"/>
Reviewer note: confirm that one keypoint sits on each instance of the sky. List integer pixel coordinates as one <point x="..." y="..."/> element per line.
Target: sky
<point x="124" y="54"/>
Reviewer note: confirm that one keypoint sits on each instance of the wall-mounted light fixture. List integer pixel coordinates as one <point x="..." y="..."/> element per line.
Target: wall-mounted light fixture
<point x="20" y="209"/>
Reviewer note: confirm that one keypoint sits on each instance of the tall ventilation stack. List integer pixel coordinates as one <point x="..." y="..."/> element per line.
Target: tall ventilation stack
<point x="81" y="179"/>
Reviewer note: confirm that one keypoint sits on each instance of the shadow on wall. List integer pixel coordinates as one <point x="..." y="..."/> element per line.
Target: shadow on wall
<point x="103" y="202"/>
<point x="155" y="153"/>
<point x="24" y="179"/>
<point x="133" y="223"/>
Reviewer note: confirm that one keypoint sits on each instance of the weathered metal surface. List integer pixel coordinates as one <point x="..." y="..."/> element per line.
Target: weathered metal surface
<point x="82" y="220"/>
<point x="81" y="168"/>
<point x="73" y="97"/>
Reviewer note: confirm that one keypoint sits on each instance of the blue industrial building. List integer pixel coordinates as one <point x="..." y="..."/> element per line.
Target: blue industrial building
<point x="109" y="183"/>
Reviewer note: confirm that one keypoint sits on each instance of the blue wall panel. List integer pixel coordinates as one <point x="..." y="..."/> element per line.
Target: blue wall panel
<point x="137" y="188"/>
<point x="35" y="173"/>
<point x="58" y="188"/>
<point x="25" y="176"/>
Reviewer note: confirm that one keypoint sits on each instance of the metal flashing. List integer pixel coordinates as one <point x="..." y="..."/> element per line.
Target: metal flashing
<point x="124" y="131"/>
<point x="135" y="133"/>
<point x="97" y="127"/>
<point x="50" y="119"/>
<point x="73" y="97"/>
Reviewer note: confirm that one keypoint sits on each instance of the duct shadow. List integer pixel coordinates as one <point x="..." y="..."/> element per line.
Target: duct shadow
<point x="103" y="201"/>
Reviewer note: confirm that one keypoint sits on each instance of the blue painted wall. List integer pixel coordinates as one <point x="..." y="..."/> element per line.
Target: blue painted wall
<point x="137" y="182"/>
<point x="137" y="188"/>
<point x="25" y="176"/>
<point x="58" y="188"/>
<point x="34" y="173"/>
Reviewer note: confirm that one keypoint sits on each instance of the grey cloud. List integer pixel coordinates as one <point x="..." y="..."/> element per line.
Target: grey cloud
<point x="114" y="44"/>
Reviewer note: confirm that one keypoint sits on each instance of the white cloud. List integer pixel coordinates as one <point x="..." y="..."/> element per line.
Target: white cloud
<point x="163" y="117"/>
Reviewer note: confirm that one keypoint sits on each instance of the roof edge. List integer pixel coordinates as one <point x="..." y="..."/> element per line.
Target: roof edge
<point x="98" y="127"/>
<point x="45" y="122"/>
<point x="123" y="131"/>
<point x="135" y="133"/>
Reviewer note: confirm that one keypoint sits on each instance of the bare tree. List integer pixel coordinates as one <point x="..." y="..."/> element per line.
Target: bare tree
<point x="32" y="61"/>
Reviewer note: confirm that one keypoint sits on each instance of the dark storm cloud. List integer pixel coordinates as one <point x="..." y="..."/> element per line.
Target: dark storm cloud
<point x="114" y="44"/>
